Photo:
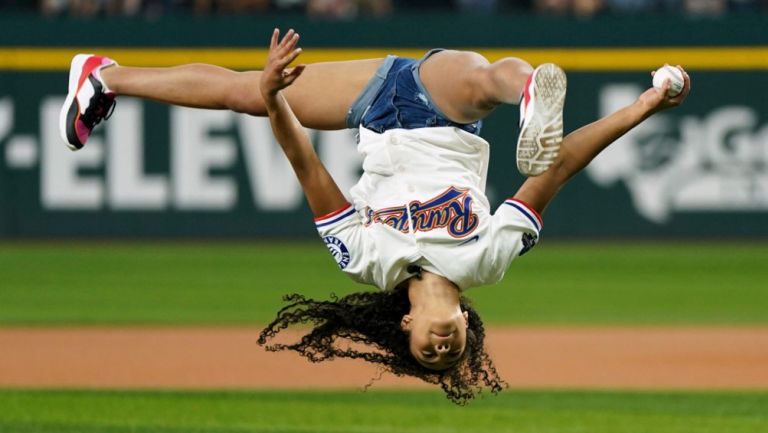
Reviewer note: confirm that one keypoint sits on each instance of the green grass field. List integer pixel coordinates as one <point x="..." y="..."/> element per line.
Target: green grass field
<point x="379" y="411"/>
<point x="242" y="283"/>
<point x="60" y="284"/>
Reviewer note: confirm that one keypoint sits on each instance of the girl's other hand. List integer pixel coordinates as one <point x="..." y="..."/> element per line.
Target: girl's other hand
<point x="275" y="76"/>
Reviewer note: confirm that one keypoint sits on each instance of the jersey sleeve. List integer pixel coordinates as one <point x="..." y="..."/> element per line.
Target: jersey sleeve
<point x="346" y="240"/>
<point x="515" y="228"/>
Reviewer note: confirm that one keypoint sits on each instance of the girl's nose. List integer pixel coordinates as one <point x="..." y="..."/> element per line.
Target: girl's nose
<point x="442" y="348"/>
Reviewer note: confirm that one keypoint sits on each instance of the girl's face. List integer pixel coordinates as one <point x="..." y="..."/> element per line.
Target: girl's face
<point x="437" y="340"/>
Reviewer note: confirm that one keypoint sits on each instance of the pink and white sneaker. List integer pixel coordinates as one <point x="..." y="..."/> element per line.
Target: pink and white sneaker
<point x="541" y="119"/>
<point x="88" y="102"/>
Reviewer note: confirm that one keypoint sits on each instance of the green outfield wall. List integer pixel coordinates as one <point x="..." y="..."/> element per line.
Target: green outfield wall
<point x="157" y="171"/>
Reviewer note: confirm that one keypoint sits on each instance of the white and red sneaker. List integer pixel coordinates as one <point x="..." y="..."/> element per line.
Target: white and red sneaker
<point x="88" y="102"/>
<point x="541" y="119"/>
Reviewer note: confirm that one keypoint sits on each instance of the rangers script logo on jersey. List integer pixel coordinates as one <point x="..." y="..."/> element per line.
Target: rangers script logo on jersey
<point x="338" y="250"/>
<point x="451" y="209"/>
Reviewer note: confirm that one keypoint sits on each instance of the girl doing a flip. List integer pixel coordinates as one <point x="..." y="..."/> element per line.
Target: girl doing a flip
<point x="418" y="225"/>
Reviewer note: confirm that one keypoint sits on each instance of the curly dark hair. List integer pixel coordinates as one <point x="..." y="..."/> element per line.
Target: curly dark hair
<point x="373" y="319"/>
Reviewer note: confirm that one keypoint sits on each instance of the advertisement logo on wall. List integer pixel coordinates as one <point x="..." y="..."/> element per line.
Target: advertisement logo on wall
<point x="203" y="150"/>
<point x="163" y="170"/>
<point x="716" y="162"/>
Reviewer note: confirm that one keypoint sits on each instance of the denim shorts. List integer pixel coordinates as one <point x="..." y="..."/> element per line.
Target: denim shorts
<point x="396" y="98"/>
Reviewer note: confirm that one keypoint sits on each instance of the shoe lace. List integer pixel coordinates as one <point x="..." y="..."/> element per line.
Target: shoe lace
<point x="101" y="107"/>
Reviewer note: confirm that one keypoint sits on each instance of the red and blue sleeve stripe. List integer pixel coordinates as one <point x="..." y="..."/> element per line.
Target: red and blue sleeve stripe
<point x="335" y="216"/>
<point x="527" y="212"/>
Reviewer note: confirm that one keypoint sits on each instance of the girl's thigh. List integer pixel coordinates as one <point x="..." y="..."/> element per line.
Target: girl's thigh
<point x="454" y="81"/>
<point x="323" y="94"/>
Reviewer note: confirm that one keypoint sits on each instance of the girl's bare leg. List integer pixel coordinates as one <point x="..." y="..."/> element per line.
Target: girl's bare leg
<point x="467" y="88"/>
<point x="320" y="98"/>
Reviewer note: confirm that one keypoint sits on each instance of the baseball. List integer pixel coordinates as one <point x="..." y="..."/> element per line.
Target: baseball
<point x="675" y="76"/>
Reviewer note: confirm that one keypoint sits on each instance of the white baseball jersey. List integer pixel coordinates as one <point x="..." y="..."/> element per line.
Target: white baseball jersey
<point x="421" y="200"/>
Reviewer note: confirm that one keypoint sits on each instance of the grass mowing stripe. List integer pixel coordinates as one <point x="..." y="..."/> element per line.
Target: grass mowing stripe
<point x="380" y="411"/>
<point x="221" y="283"/>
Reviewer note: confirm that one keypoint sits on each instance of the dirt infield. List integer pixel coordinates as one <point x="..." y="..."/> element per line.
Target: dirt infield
<point x="669" y="358"/>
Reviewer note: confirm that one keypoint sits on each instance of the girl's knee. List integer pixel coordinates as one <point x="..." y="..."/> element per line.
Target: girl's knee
<point x="510" y="69"/>
<point x="244" y="95"/>
<point x="502" y="81"/>
<point x="515" y="64"/>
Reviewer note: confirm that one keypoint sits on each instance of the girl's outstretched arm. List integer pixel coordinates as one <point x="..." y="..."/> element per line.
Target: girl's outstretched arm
<point x="322" y="193"/>
<point x="583" y="145"/>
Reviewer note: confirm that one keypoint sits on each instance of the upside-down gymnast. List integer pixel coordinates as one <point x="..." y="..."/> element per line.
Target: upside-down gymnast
<point x="417" y="225"/>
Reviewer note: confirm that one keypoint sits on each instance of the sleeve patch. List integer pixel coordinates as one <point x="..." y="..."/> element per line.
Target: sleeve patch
<point x="338" y="250"/>
<point x="529" y="241"/>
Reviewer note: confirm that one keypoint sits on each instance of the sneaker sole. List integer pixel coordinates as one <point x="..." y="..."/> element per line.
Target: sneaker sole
<point x="542" y="132"/>
<point x="70" y="111"/>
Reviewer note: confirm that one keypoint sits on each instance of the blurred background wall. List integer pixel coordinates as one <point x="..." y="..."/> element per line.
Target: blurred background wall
<point x="158" y="171"/>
